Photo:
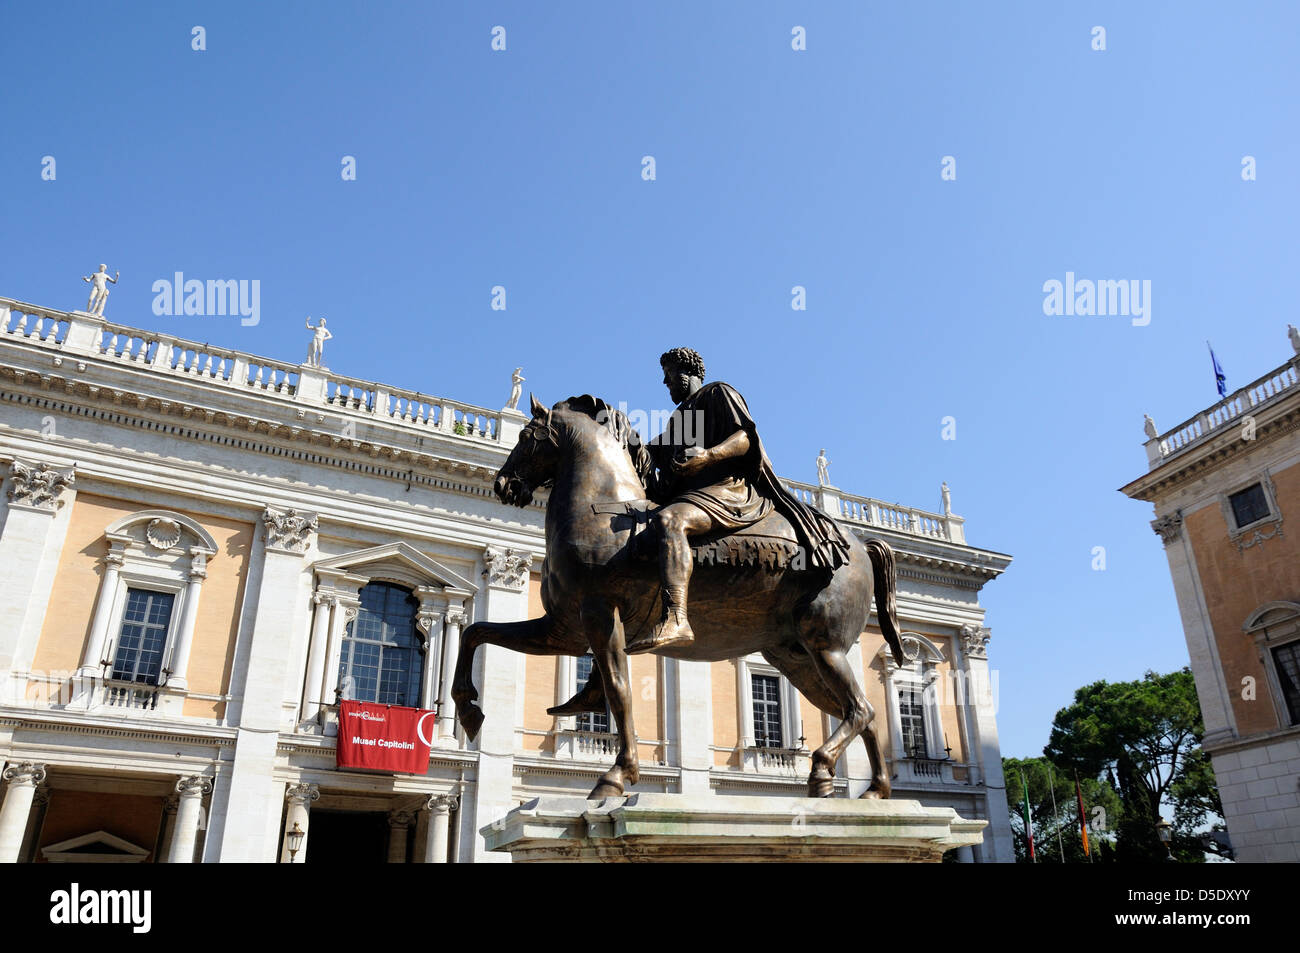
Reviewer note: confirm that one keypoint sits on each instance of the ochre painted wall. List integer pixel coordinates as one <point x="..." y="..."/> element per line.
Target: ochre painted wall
<point x="76" y="588"/>
<point x="1235" y="584"/>
<point x="73" y="813"/>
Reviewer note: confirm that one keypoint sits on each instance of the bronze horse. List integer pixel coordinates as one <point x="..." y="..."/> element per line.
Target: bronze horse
<point x="598" y="592"/>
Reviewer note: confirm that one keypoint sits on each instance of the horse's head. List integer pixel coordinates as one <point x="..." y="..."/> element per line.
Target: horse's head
<point x="532" y="463"/>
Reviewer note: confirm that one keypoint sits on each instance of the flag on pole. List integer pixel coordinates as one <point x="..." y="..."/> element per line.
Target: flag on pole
<point x="1029" y="824"/>
<point x="1220" y="381"/>
<point x="1083" y="823"/>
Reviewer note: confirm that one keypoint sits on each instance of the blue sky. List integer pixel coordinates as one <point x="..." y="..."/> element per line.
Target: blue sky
<point x="774" y="168"/>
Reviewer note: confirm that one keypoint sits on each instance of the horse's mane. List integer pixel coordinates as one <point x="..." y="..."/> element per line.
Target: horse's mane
<point x="619" y="427"/>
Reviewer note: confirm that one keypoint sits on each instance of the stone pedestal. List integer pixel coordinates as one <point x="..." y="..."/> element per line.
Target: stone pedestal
<point x="703" y="828"/>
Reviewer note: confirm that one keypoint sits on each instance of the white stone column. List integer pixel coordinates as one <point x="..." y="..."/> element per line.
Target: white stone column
<point x="399" y="826"/>
<point x="452" y="622"/>
<point x="180" y="661"/>
<point x="439" y="807"/>
<point x="505" y="599"/>
<point x="1202" y="648"/>
<point x="33" y="534"/>
<point x="427" y="621"/>
<point x="92" y="663"/>
<point x="186" y="832"/>
<point x="300" y="798"/>
<point x="23" y="778"/>
<point x="891" y="713"/>
<point x="694" y="711"/>
<point x="250" y="832"/>
<point x="317" y="653"/>
<point x="345" y="612"/>
<point x="997" y="846"/>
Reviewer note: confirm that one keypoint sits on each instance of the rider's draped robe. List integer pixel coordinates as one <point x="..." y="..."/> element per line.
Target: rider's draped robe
<point x="737" y="492"/>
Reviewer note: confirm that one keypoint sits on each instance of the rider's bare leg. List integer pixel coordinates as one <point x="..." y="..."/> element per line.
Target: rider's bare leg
<point x="676" y="523"/>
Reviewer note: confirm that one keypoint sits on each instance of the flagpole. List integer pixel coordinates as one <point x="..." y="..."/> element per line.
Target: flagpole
<point x="1029" y="822"/>
<point x="1051" y="785"/>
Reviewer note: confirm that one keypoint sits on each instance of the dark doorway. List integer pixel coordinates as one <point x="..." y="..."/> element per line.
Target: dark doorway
<point x="347" y="837"/>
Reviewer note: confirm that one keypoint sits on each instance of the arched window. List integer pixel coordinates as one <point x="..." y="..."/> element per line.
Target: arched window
<point x="383" y="657"/>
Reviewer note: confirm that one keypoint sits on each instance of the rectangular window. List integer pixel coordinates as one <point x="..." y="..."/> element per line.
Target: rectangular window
<point x="596" y="722"/>
<point x="766" y="690"/>
<point x="143" y="637"/>
<point x="911" y="714"/>
<point x="1286" y="659"/>
<point x="1249" y="506"/>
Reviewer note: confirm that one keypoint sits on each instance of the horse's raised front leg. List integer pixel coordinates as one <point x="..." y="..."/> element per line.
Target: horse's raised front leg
<point x="605" y="635"/>
<point x="532" y="637"/>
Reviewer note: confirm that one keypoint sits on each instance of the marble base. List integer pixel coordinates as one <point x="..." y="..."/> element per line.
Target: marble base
<point x="692" y="828"/>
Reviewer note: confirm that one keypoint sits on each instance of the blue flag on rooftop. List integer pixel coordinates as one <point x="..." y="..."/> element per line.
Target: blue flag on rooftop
<point x="1220" y="381"/>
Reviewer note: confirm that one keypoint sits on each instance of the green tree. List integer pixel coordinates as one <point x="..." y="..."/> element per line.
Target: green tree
<point x="1144" y="737"/>
<point x="1044" y="780"/>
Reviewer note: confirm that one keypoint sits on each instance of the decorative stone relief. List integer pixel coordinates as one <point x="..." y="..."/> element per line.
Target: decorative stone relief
<point x="163" y="533"/>
<point x="506" y="568"/>
<point x="1169" y="527"/>
<point x="302" y="792"/>
<point x="290" y="530"/>
<point x="975" y="640"/>
<point x="40" y="486"/>
<point x="441" y="803"/>
<point x="193" y="786"/>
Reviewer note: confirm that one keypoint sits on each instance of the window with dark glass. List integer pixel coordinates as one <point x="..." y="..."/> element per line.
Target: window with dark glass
<point x="1286" y="659"/>
<point x="911" y="715"/>
<point x="590" y="720"/>
<point x="382" y="658"/>
<point x="143" y="637"/>
<point x="1249" y="506"/>
<point x="766" y="691"/>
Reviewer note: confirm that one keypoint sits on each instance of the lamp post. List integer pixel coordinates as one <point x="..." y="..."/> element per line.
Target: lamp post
<point x="1165" y="831"/>
<point x="295" y="837"/>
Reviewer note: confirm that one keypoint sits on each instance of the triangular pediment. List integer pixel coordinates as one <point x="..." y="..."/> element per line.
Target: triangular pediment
<point x="417" y="566"/>
<point x="95" y="847"/>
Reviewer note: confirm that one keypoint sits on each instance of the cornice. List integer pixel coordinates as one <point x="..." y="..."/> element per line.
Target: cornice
<point x="57" y="721"/>
<point x="1201" y="461"/>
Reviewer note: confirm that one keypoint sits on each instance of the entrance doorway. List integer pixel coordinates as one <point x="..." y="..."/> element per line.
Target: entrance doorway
<point x="347" y="837"/>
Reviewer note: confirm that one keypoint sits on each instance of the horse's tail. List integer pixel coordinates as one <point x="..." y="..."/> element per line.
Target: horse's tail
<point x="886" y="586"/>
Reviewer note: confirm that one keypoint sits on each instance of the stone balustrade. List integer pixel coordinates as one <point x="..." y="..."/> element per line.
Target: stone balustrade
<point x="1246" y="400"/>
<point x="34" y="324"/>
<point x="83" y="334"/>
<point x="870" y="512"/>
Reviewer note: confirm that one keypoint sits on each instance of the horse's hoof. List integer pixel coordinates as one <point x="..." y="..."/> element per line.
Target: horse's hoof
<point x="605" y="789"/>
<point x="876" y="792"/>
<point x="820" y="787"/>
<point x="471" y="719"/>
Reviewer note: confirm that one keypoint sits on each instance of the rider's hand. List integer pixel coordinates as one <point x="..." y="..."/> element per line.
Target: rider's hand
<point x="697" y="458"/>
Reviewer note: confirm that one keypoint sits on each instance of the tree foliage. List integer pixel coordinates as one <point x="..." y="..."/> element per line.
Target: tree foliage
<point x="1144" y="738"/>
<point x="1055" y="813"/>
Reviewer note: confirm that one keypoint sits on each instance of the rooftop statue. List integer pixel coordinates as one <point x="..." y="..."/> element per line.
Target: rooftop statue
<point x="316" y="354"/>
<point x="99" y="283"/>
<point x="632" y="529"/>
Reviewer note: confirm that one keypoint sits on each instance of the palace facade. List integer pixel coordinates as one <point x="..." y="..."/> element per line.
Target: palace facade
<point x="1223" y="484"/>
<point x="204" y="550"/>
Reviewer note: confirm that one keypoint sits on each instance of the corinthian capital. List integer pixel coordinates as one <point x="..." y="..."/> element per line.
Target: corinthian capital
<point x="975" y="640"/>
<point x="508" y="567"/>
<point x="40" y="486"/>
<point x="289" y="530"/>
<point x="1169" y="527"/>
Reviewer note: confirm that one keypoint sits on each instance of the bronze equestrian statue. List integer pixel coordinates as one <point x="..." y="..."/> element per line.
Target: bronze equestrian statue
<point x="625" y="526"/>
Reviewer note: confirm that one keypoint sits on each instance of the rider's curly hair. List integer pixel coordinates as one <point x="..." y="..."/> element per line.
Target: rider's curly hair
<point x="683" y="357"/>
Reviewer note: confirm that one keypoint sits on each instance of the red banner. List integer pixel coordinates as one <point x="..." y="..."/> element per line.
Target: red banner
<point x="384" y="737"/>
